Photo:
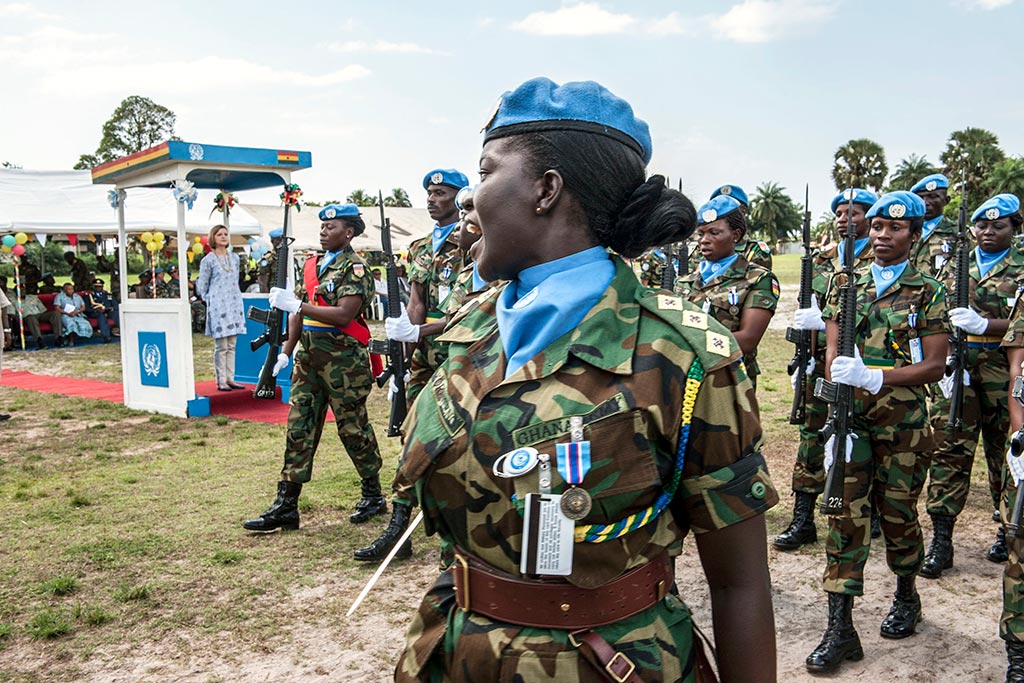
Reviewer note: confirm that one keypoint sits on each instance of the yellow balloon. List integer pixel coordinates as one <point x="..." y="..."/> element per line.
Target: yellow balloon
<point x="21" y="238"/>
<point x="199" y="240"/>
<point x="159" y="244"/>
<point x="146" y="237"/>
<point x="151" y="246"/>
<point x="158" y="236"/>
<point x="4" y="248"/>
<point x="196" y="248"/>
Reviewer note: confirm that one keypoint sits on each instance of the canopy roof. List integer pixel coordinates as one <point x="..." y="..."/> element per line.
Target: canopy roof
<point x="407" y="224"/>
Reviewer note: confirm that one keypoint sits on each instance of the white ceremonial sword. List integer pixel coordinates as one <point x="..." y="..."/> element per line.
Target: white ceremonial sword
<point x="384" y="564"/>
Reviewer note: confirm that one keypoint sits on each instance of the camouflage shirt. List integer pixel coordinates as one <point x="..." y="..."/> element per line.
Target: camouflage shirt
<point x="826" y="264"/>
<point x="622" y="369"/>
<point x="435" y="271"/>
<point x="741" y="286"/>
<point x="931" y="256"/>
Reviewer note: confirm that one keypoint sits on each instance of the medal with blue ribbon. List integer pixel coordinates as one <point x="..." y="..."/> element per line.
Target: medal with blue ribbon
<point x="573" y="461"/>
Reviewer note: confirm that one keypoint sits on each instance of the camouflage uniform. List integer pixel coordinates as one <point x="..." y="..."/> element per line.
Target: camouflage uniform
<point x="331" y="370"/>
<point x="892" y="429"/>
<point x="755" y="251"/>
<point x="754" y="287"/>
<point x="932" y="256"/>
<point x="267" y="267"/>
<point x="985" y="412"/>
<point x="648" y="267"/>
<point x="622" y="369"/>
<point x="1011" y="623"/>
<point x="808" y="471"/>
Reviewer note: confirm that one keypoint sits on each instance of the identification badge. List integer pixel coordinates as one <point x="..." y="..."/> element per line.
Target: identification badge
<point x="443" y="291"/>
<point x="940" y="261"/>
<point x="707" y="305"/>
<point x="515" y="463"/>
<point x="916" y="355"/>
<point x="547" y="537"/>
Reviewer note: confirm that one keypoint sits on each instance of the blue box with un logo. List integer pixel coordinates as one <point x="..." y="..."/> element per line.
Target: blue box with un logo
<point x="153" y="359"/>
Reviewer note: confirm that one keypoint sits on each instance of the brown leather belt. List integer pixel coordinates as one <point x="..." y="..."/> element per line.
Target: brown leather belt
<point x="555" y="603"/>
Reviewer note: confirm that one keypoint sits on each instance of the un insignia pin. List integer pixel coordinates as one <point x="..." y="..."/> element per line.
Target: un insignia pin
<point x="437" y="178"/>
<point x="992" y="214"/>
<point x="330" y="213"/>
<point x="726" y="190"/>
<point x="931" y="185"/>
<point x="709" y="216"/>
<point x="897" y="211"/>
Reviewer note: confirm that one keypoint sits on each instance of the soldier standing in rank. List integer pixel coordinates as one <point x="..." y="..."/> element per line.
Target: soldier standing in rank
<point x="755" y="251"/>
<point x="80" y="274"/>
<point x="267" y="265"/>
<point x="996" y="278"/>
<point x="332" y="369"/>
<point x="735" y="292"/>
<point x="809" y="471"/>
<point x="934" y="250"/>
<point x="901" y="345"/>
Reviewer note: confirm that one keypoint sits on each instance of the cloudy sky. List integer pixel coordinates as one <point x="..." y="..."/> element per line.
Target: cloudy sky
<point x="739" y="91"/>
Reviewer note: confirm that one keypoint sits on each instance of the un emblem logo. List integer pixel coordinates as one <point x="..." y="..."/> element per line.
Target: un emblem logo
<point x="151" y="359"/>
<point x="195" y="152"/>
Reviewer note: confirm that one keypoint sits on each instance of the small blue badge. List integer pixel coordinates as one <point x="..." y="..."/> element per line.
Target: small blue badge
<point x="515" y="463"/>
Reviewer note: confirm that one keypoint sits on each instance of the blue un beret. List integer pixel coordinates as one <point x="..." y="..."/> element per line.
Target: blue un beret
<point x="445" y="176"/>
<point x="716" y="208"/>
<point x="997" y="207"/>
<point x="734" y="191"/>
<point x="338" y="211"/>
<point x="898" y="205"/>
<point x="276" y="233"/>
<point x="860" y="196"/>
<point x="935" y="181"/>
<point x="540" y="104"/>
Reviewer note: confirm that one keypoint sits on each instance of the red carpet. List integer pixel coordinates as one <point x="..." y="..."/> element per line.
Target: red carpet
<point x="238" y="404"/>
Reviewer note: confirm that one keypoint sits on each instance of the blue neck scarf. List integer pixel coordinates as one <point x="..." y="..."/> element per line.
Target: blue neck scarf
<point x="987" y="260"/>
<point x="929" y="227"/>
<point x="478" y="282"/>
<point x="858" y="247"/>
<point x="328" y="260"/>
<point x="548" y="300"/>
<point x="886" y="276"/>
<point x="709" y="270"/>
<point x="440" y="234"/>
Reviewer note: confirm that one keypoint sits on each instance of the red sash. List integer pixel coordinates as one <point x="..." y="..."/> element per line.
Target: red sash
<point x="357" y="328"/>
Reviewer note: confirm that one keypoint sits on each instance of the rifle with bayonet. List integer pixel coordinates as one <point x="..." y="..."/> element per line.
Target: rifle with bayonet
<point x="801" y="339"/>
<point x="956" y="364"/>
<point x="395" y="351"/>
<point x="838" y="396"/>
<point x="1014" y="524"/>
<point x="275" y="319"/>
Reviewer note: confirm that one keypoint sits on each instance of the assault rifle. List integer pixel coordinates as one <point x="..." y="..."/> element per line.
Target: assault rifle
<point x="1014" y="524"/>
<point x="802" y="338"/>
<point x="274" y="318"/>
<point x="395" y="351"/>
<point x="956" y="366"/>
<point x="668" y="271"/>
<point x="840" y="396"/>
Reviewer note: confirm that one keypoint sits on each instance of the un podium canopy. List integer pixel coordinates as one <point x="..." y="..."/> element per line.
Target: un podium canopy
<point x="156" y="335"/>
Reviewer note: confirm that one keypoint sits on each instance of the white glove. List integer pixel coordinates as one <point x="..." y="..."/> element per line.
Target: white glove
<point x="285" y="300"/>
<point x="808" y="318"/>
<point x="830" y="450"/>
<point x="852" y="371"/>
<point x="281" y="364"/>
<point x="807" y="372"/>
<point x="946" y="385"/>
<point x="1015" y="463"/>
<point x="393" y="386"/>
<point x="968" y="320"/>
<point x="401" y="328"/>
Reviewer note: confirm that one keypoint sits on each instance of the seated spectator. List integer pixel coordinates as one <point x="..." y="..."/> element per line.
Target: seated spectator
<point x="47" y="284"/>
<point x="381" y="287"/>
<point x="32" y="312"/>
<point x="144" y="288"/>
<point x="99" y="306"/>
<point x="80" y="274"/>
<point x="74" y="324"/>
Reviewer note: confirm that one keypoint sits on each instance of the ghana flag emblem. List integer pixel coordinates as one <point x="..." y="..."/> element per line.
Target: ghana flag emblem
<point x="287" y="157"/>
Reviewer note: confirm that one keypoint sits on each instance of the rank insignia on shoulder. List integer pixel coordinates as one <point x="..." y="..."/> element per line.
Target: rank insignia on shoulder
<point x="718" y="343"/>
<point x="696" y="319"/>
<point x="667" y="302"/>
<point x="359" y="269"/>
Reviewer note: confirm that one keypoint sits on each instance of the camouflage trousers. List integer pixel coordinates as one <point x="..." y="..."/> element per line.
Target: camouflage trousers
<point x="1011" y="622"/>
<point x="985" y="416"/>
<point x="330" y="372"/>
<point x="892" y="482"/>
<point x="444" y="643"/>
<point x="809" y="470"/>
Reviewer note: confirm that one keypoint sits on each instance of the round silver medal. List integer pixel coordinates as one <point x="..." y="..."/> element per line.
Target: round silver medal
<point x="575" y="504"/>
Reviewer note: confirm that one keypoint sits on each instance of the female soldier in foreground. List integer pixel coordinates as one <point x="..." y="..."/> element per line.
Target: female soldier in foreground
<point x="581" y="425"/>
<point x="901" y="344"/>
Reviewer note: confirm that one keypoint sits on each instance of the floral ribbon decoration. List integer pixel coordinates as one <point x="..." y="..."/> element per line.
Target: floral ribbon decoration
<point x="185" y="192"/>
<point x="290" y="196"/>
<point x="113" y="198"/>
<point x="223" y="202"/>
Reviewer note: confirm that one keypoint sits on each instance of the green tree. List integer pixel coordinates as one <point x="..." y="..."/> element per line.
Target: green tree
<point x="136" y="124"/>
<point x="970" y="154"/>
<point x="398" y="197"/>
<point x="860" y="163"/>
<point x="909" y="171"/>
<point x="773" y="215"/>
<point x="1006" y="176"/>
<point x="361" y="198"/>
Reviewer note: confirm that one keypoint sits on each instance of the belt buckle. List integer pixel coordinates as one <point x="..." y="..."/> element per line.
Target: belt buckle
<point x="463" y="595"/>
<point x="620" y="678"/>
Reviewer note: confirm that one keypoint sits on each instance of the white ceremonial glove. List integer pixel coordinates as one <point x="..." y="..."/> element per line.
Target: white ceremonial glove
<point x="830" y="450"/>
<point x="852" y="371"/>
<point x="968" y="320"/>
<point x="282" y="363"/>
<point x="284" y="300"/>
<point x="808" y="370"/>
<point x="946" y="385"/>
<point x="1015" y="463"/>
<point x="401" y="328"/>
<point x="808" y="318"/>
<point x="393" y="387"/>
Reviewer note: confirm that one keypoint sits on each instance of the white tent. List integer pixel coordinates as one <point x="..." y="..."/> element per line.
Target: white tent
<point x="407" y="224"/>
<point x="59" y="202"/>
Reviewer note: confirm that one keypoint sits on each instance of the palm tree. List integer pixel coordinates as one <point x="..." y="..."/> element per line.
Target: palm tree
<point x="773" y="215"/>
<point x="398" y="197"/>
<point x="969" y="155"/>
<point x="860" y="163"/>
<point x="1006" y="176"/>
<point x="909" y="171"/>
<point x="360" y="198"/>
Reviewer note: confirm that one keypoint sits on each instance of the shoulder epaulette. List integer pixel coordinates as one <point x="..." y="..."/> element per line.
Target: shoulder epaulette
<point x="712" y="343"/>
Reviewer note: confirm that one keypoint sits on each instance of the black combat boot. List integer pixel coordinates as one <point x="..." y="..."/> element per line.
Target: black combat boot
<point x="283" y="513"/>
<point x="905" y="612"/>
<point x="940" y="553"/>
<point x="377" y="550"/>
<point x="801" y="530"/>
<point x="998" y="552"/>
<point x="840" y="641"/>
<point x="371" y="504"/>
<point x="1014" y="661"/>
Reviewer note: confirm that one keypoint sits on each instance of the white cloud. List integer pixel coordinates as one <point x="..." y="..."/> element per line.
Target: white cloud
<point x="378" y="46"/>
<point x="761" y="21"/>
<point x="672" y="24"/>
<point x="14" y="10"/>
<point x="985" y="4"/>
<point x="582" y="19"/>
